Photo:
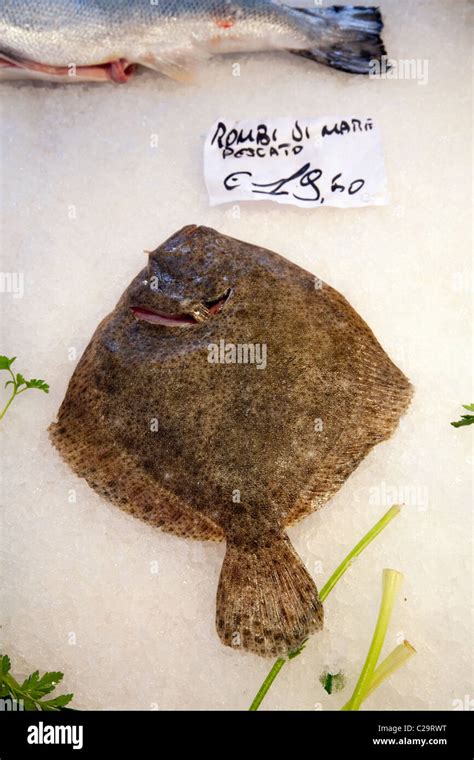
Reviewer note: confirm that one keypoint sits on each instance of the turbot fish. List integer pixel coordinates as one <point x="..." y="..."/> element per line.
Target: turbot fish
<point x="229" y="394"/>
<point x="100" y="40"/>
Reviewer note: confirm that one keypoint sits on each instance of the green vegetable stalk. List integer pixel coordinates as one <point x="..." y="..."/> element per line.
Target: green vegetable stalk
<point x="391" y="583"/>
<point x="395" y="660"/>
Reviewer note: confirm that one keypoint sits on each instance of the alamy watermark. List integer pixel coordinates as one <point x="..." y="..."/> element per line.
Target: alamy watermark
<point x="43" y="733"/>
<point x="10" y="704"/>
<point x="466" y="703"/>
<point x="399" y="68"/>
<point x="12" y="282"/>
<point x="237" y="353"/>
<point x="410" y="494"/>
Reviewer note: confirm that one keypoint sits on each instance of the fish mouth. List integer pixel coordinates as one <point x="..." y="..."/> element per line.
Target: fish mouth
<point x="161" y="318"/>
<point x="198" y="314"/>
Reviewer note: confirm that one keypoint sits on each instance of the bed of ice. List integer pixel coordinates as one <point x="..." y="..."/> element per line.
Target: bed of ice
<point x="126" y="611"/>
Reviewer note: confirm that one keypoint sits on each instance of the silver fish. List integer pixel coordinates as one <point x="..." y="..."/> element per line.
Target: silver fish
<point x="100" y="40"/>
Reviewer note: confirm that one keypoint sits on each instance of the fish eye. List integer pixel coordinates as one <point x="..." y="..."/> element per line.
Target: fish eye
<point x="215" y="305"/>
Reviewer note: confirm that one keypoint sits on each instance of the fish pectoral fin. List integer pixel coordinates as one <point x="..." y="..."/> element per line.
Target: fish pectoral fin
<point x="182" y="68"/>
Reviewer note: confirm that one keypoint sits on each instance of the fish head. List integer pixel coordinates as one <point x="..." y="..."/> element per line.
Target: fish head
<point x="185" y="282"/>
<point x="200" y="286"/>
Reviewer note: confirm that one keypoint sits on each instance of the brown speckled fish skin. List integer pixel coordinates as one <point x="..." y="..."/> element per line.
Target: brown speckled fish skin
<point x="225" y="429"/>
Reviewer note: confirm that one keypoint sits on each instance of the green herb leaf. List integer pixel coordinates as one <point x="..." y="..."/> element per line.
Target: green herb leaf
<point x="30" y="682"/>
<point x="57" y="702"/>
<point x="5" y="362"/>
<point x="332" y="682"/>
<point x="296" y="652"/>
<point x="37" y="687"/>
<point x="20" y="380"/>
<point x="40" y="384"/>
<point x="29" y="704"/>
<point x="5" y="665"/>
<point x="466" y="419"/>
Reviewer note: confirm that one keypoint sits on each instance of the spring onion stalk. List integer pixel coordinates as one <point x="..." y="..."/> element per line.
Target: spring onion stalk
<point x="277" y="666"/>
<point x="395" y="660"/>
<point x="391" y="582"/>
<point x="358" y="549"/>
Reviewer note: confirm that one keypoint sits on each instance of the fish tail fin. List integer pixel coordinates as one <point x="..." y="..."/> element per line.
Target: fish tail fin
<point x="267" y="602"/>
<point x="347" y="37"/>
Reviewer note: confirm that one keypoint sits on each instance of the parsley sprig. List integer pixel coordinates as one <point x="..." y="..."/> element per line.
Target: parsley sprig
<point x="30" y="693"/>
<point x="18" y="382"/>
<point x="466" y="419"/>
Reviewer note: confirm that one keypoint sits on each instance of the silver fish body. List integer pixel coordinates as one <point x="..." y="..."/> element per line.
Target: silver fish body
<point x="56" y="37"/>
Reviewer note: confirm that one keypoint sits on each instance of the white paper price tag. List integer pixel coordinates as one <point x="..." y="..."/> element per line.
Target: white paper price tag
<point x="328" y="161"/>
